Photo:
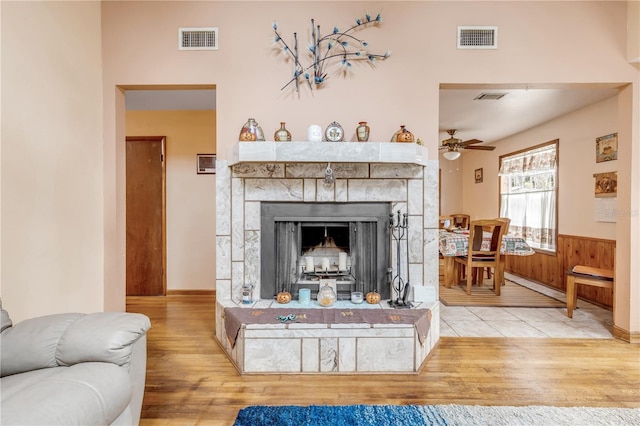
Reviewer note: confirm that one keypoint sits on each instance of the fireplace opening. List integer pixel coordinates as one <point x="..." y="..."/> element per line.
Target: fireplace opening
<point x="328" y="236"/>
<point x="307" y="245"/>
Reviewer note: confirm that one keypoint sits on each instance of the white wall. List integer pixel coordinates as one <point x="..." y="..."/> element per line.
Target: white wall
<point x="451" y="184"/>
<point x="577" y="133"/>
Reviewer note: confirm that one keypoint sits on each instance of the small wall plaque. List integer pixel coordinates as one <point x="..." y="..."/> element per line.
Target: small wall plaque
<point x="607" y="148"/>
<point x="478" y="175"/>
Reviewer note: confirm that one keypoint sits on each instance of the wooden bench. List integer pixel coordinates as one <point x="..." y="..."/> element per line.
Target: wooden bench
<point x="586" y="275"/>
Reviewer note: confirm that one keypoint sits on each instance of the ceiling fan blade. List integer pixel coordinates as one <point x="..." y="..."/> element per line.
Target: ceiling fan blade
<point x="470" y="142"/>
<point x="481" y="147"/>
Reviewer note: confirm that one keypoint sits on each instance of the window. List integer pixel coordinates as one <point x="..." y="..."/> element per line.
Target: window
<point x="529" y="195"/>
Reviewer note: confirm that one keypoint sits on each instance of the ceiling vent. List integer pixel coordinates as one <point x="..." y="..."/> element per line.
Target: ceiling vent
<point x="205" y="38"/>
<point x="477" y="37"/>
<point x="489" y="96"/>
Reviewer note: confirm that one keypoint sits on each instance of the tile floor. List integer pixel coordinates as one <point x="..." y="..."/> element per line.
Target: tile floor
<point x="589" y="321"/>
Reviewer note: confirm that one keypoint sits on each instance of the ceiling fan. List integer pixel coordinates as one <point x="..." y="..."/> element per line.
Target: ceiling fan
<point x="453" y="145"/>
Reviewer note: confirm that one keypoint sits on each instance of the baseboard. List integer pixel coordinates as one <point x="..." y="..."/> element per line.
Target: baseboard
<point x="191" y="292"/>
<point x="625" y="335"/>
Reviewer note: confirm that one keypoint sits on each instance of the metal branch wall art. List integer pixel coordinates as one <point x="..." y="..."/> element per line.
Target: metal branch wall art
<point x="337" y="46"/>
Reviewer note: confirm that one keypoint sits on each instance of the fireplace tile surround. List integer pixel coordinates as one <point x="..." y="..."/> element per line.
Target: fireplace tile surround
<point x="256" y="172"/>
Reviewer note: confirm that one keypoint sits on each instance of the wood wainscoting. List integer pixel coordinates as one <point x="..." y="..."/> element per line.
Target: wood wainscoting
<point x="550" y="269"/>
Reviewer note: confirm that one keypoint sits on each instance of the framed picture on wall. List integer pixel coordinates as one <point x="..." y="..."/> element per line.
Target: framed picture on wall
<point x="206" y="164"/>
<point x="606" y="184"/>
<point x="478" y="175"/>
<point x="607" y="148"/>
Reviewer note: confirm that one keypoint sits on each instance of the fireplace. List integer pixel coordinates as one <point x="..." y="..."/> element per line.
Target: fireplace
<point x="274" y="206"/>
<point x="305" y="245"/>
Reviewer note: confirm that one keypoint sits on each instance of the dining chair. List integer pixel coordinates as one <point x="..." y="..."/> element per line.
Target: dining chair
<point x="507" y="222"/>
<point x="442" y="222"/>
<point x="478" y="258"/>
<point x="460" y="220"/>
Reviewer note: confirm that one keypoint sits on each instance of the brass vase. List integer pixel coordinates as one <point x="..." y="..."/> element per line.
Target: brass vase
<point x="282" y="134"/>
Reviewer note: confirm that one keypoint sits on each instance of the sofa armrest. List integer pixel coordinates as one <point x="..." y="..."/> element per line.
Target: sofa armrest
<point x="67" y="339"/>
<point x="101" y="337"/>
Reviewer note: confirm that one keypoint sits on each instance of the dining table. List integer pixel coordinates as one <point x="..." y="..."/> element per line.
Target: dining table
<point x="456" y="243"/>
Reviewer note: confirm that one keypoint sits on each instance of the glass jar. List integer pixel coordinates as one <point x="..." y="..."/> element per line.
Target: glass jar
<point x="282" y="134"/>
<point x="326" y="296"/>
<point x="251" y="131"/>
<point x="247" y="294"/>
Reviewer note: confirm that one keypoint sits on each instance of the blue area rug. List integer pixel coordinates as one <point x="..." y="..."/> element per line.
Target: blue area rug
<point x="409" y="415"/>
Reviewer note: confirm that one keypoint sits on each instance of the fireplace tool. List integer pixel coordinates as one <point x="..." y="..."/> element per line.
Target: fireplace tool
<point x="399" y="229"/>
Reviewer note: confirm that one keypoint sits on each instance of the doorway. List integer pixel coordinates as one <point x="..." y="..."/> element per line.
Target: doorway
<point x="185" y="116"/>
<point x="145" y="216"/>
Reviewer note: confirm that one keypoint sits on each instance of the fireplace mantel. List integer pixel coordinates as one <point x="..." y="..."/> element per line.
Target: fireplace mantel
<point x="334" y="152"/>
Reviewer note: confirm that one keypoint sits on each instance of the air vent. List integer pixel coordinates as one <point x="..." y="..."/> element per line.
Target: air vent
<point x="198" y="38"/>
<point x="477" y="37"/>
<point x="489" y="96"/>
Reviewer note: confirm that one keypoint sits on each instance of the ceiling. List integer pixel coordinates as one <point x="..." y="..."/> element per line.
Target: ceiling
<point x="521" y="107"/>
<point x="170" y="99"/>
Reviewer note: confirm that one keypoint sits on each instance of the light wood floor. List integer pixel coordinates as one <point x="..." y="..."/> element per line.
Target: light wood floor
<point x="190" y="381"/>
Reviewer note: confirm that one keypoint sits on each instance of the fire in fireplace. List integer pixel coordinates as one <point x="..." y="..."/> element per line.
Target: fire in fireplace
<point x="306" y="244"/>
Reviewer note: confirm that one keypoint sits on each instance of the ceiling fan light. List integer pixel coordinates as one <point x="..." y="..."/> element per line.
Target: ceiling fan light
<point x="451" y="155"/>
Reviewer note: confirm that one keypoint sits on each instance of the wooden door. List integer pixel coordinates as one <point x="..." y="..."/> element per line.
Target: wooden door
<point x="145" y="221"/>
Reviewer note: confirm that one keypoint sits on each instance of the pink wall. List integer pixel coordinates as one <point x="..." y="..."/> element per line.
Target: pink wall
<point x="540" y="42"/>
<point x="140" y="48"/>
<point x="53" y="75"/>
<point x="52" y="241"/>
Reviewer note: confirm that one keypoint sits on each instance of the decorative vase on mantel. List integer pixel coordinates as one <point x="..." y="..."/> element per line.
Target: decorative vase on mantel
<point x="402" y="135"/>
<point x="282" y="134"/>
<point x="362" y="131"/>
<point x="314" y="133"/>
<point x="251" y="131"/>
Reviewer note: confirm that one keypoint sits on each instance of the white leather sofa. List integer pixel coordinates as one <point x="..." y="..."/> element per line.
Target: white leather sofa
<point x="73" y="369"/>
